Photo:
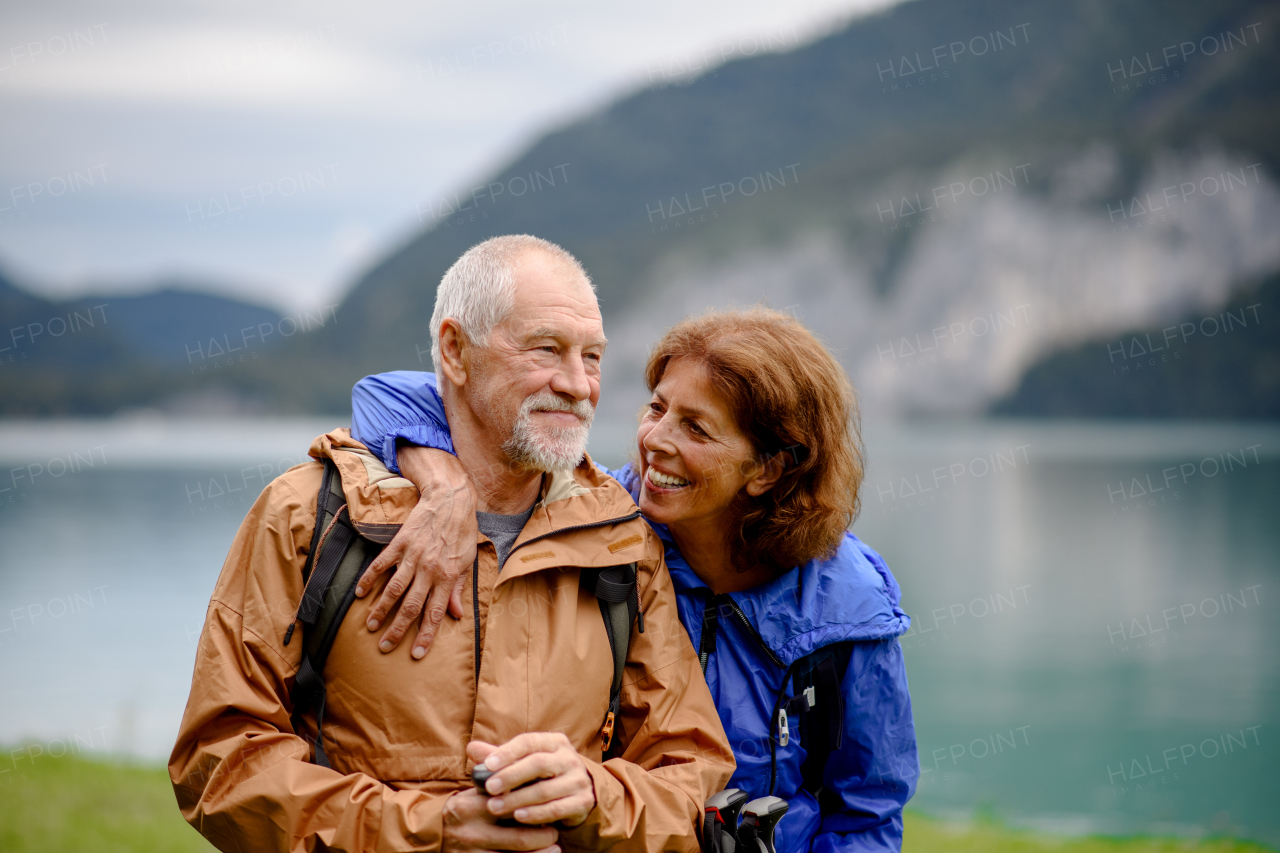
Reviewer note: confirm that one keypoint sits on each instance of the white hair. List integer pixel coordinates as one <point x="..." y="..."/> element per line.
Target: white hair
<point x="479" y="290"/>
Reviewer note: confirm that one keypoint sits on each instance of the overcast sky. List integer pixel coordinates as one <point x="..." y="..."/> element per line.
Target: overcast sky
<point x="273" y="150"/>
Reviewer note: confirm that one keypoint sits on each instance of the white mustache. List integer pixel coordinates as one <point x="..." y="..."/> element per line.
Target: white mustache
<point x="553" y="447"/>
<point x="545" y="401"/>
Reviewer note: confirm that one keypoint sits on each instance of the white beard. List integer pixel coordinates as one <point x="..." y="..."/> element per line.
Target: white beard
<point x="540" y="448"/>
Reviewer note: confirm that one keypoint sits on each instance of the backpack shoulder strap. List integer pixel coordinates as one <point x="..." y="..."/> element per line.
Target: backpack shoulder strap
<point x="615" y="588"/>
<point x="328" y="502"/>
<point x="337" y="559"/>
<point x="818" y="678"/>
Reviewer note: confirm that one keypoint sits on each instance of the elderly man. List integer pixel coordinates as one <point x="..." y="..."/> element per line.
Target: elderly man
<point x="523" y="686"/>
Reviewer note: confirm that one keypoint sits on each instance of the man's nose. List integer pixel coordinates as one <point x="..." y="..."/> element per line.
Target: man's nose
<point x="571" y="379"/>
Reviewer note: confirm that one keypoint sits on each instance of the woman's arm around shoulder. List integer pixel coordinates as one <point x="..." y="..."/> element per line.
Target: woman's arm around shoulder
<point x="400" y="405"/>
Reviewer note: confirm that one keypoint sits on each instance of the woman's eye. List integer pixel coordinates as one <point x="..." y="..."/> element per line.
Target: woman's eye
<point x="695" y="429"/>
<point x="655" y="408"/>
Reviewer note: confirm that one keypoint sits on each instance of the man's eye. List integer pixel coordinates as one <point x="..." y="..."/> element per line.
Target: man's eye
<point x="549" y="349"/>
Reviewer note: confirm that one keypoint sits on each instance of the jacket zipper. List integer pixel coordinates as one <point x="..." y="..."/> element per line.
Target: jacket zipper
<point x="475" y="576"/>
<point x="710" y="621"/>
<point x="707" y="644"/>
<point x="586" y="526"/>
<point x="773" y="725"/>
<point x="782" y="692"/>
<point x="475" y="610"/>
<point x="751" y="629"/>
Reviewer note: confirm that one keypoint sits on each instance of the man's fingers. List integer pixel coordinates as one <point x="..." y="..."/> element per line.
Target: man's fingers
<point x="525" y="838"/>
<point x="534" y="766"/>
<point x="410" y="607"/>
<point x="468" y="823"/>
<point x="524" y="744"/>
<point x="537" y="794"/>
<point x="557" y="785"/>
<point x="570" y="809"/>
<point x="463" y="806"/>
<point x="432" y="616"/>
<point x="478" y="750"/>
<point x="510" y="838"/>
<point x="395" y="588"/>
<point x="389" y="557"/>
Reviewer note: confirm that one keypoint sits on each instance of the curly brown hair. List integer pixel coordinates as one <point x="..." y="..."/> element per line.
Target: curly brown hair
<point x="790" y="396"/>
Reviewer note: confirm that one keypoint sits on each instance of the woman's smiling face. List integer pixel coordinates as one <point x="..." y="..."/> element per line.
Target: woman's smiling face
<point x="694" y="458"/>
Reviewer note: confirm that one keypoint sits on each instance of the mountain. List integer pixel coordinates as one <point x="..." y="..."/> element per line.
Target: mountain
<point x="173" y="323"/>
<point x="1224" y="364"/>
<point x="950" y="194"/>
<point x="95" y="355"/>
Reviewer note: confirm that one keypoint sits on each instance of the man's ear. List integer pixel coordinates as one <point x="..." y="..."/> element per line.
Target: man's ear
<point x="453" y="352"/>
<point x="766" y="476"/>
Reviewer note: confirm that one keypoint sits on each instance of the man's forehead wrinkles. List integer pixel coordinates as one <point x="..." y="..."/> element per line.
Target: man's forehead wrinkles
<point x="555" y="323"/>
<point x="547" y="332"/>
<point x="558" y="303"/>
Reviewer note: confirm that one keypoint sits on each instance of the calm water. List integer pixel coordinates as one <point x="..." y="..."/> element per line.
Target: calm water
<point x="1096" y="643"/>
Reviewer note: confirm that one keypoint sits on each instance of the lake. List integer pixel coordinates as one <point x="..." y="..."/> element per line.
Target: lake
<point x="1095" y="642"/>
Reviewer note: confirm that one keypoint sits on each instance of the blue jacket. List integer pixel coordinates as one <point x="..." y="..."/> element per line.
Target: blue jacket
<point x="759" y="634"/>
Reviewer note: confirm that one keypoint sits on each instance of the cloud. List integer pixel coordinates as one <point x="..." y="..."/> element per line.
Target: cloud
<point x="184" y="103"/>
<point x="304" y="68"/>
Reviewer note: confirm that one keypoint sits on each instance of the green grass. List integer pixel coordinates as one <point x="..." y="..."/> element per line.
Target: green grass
<point x="74" y="805"/>
<point x="925" y="835"/>
<point x="70" y="804"/>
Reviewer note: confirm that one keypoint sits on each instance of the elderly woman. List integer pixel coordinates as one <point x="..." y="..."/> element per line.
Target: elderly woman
<point x="748" y="466"/>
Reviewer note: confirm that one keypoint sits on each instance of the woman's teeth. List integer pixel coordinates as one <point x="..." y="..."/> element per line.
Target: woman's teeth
<point x="665" y="480"/>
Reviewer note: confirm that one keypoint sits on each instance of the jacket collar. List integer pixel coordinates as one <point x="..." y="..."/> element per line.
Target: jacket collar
<point x="378" y="501"/>
<point x="583" y="498"/>
<point x="581" y="504"/>
<point x="848" y="596"/>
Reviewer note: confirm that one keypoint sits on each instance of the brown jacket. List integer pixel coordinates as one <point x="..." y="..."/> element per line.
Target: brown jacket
<point x="396" y="729"/>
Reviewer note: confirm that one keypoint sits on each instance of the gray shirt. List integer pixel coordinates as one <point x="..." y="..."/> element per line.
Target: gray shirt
<point x="503" y="529"/>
